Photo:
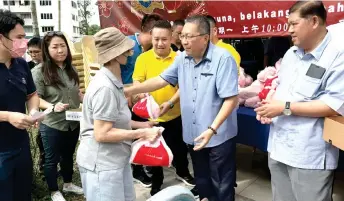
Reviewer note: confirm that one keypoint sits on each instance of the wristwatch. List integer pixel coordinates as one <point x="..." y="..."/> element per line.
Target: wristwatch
<point x="171" y="104"/>
<point x="287" y="110"/>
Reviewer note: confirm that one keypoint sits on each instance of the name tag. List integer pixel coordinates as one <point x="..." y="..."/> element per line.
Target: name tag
<point x="315" y="71"/>
<point x="73" y="115"/>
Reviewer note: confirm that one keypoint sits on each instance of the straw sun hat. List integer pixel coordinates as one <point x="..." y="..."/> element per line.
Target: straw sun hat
<point x="111" y="43"/>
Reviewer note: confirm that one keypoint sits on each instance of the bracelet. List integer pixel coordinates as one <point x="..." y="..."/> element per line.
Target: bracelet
<point x="214" y="131"/>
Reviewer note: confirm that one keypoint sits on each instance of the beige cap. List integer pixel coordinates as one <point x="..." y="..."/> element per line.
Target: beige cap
<point x="111" y="43"/>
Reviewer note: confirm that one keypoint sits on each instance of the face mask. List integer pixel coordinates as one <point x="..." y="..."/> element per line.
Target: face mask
<point x="19" y="48"/>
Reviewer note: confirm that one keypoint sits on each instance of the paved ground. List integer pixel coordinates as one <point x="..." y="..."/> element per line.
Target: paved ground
<point x="252" y="179"/>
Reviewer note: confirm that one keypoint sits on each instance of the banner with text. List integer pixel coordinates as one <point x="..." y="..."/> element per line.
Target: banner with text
<point x="235" y="19"/>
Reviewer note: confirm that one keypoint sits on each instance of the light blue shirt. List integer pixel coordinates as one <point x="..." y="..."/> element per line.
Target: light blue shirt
<point x="203" y="89"/>
<point x="297" y="141"/>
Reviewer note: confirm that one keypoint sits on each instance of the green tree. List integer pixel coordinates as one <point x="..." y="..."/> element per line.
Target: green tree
<point x="85" y="14"/>
<point x="93" y="29"/>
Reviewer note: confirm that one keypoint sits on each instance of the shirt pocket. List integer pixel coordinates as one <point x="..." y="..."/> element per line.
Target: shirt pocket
<point x="307" y="86"/>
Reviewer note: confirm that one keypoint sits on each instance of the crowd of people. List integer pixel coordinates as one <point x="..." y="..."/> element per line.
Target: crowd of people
<point x="193" y="76"/>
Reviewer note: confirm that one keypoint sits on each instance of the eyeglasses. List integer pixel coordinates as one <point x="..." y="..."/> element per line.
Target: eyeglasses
<point x="188" y="37"/>
<point x="54" y="33"/>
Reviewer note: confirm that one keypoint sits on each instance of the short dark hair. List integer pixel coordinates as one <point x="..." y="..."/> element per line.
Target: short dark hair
<point x="178" y="23"/>
<point x="201" y="21"/>
<point x="310" y="8"/>
<point x="211" y="20"/>
<point x="8" y="21"/>
<point x="35" y="42"/>
<point x="148" y="22"/>
<point x="163" y="24"/>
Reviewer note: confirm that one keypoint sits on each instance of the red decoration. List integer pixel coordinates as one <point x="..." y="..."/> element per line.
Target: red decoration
<point x="124" y="25"/>
<point x="105" y="8"/>
<point x="119" y="4"/>
<point x="172" y="6"/>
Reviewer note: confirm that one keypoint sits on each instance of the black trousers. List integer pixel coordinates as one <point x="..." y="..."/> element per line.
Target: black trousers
<point x="59" y="147"/>
<point x="215" y="171"/>
<point x="173" y="135"/>
<point x="16" y="174"/>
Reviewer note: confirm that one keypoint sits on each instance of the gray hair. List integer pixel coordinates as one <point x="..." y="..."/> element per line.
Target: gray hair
<point x="201" y="21"/>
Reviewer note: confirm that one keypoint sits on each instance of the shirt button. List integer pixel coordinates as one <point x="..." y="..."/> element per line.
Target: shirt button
<point x="193" y="122"/>
<point x="193" y="100"/>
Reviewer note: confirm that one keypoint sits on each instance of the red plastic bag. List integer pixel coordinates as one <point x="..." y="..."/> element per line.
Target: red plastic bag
<point x="147" y="108"/>
<point x="151" y="154"/>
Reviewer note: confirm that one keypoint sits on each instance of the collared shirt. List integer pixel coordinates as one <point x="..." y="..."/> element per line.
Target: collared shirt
<point x="16" y="86"/>
<point x="104" y="100"/>
<point x="128" y="69"/>
<point x="231" y="50"/>
<point x="149" y="65"/>
<point x="68" y="94"/>
<point x="203" y="88"/>
<point x="176" y="49"/>
<point x="318" y="75"/>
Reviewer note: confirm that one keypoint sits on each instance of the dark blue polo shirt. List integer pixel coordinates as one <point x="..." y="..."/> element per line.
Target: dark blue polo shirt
<point x="16" y="85"/>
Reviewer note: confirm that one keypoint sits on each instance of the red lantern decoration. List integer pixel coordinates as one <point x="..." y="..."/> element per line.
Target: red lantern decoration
<point x="172" y="6"/>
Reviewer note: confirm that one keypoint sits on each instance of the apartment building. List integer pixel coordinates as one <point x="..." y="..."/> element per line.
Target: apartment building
<point x="47" y="15"/>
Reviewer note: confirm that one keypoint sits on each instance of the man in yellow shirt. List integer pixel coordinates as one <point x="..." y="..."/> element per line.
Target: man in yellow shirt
<point x="151" y="64"/>
<point x="215" y="40"/>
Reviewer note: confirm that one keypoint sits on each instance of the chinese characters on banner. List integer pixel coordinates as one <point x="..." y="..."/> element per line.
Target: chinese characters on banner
<point x="235" y="19"/>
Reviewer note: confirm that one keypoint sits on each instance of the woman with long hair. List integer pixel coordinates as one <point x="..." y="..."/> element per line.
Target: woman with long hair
<point x="57" y="85"/>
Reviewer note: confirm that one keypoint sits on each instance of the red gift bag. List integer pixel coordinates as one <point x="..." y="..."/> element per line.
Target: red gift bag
<point x="151" y="154"/>
<point x="147" y="108"/>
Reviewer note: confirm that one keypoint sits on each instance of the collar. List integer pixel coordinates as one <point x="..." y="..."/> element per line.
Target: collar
<point x="13" y="61"/>
<point x="317" y="52"/>
<point x="169" y="56"/>
<point x="219" y="42"/>
<point x="137" y="39"/>
<point x="111" y="76"/>
<point x="207" y="54"/>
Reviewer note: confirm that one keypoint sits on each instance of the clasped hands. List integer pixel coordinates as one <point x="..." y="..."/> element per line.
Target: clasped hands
<point x="268" y="110"/>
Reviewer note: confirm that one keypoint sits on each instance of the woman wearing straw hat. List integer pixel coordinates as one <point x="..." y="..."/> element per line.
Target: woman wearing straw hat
<point x="106" y="127"/>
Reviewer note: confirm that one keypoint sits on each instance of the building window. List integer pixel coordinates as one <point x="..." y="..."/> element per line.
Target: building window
<point x="74" y="4"/>
<point x="25" y="15"/>
<point x="24" y="3"/>
<point x="45" y="3"/>
<point x="46" y="16"/>
<point x="46" y="29"/>
<point x="73" y="17"/>
<point x="28" y="29"/>
<point x="76" y="29"/>
<point x="5" y="2"/>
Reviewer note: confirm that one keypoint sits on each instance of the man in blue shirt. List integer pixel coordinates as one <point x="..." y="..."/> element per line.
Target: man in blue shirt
<point x="310" y="88"/>
<point x="17" y="89"/>
<point x="207" y="77"/>
<point x="143" y="42"/>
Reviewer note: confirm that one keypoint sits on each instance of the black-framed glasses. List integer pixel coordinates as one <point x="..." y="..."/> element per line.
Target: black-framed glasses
<point x="188" y="37"/>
